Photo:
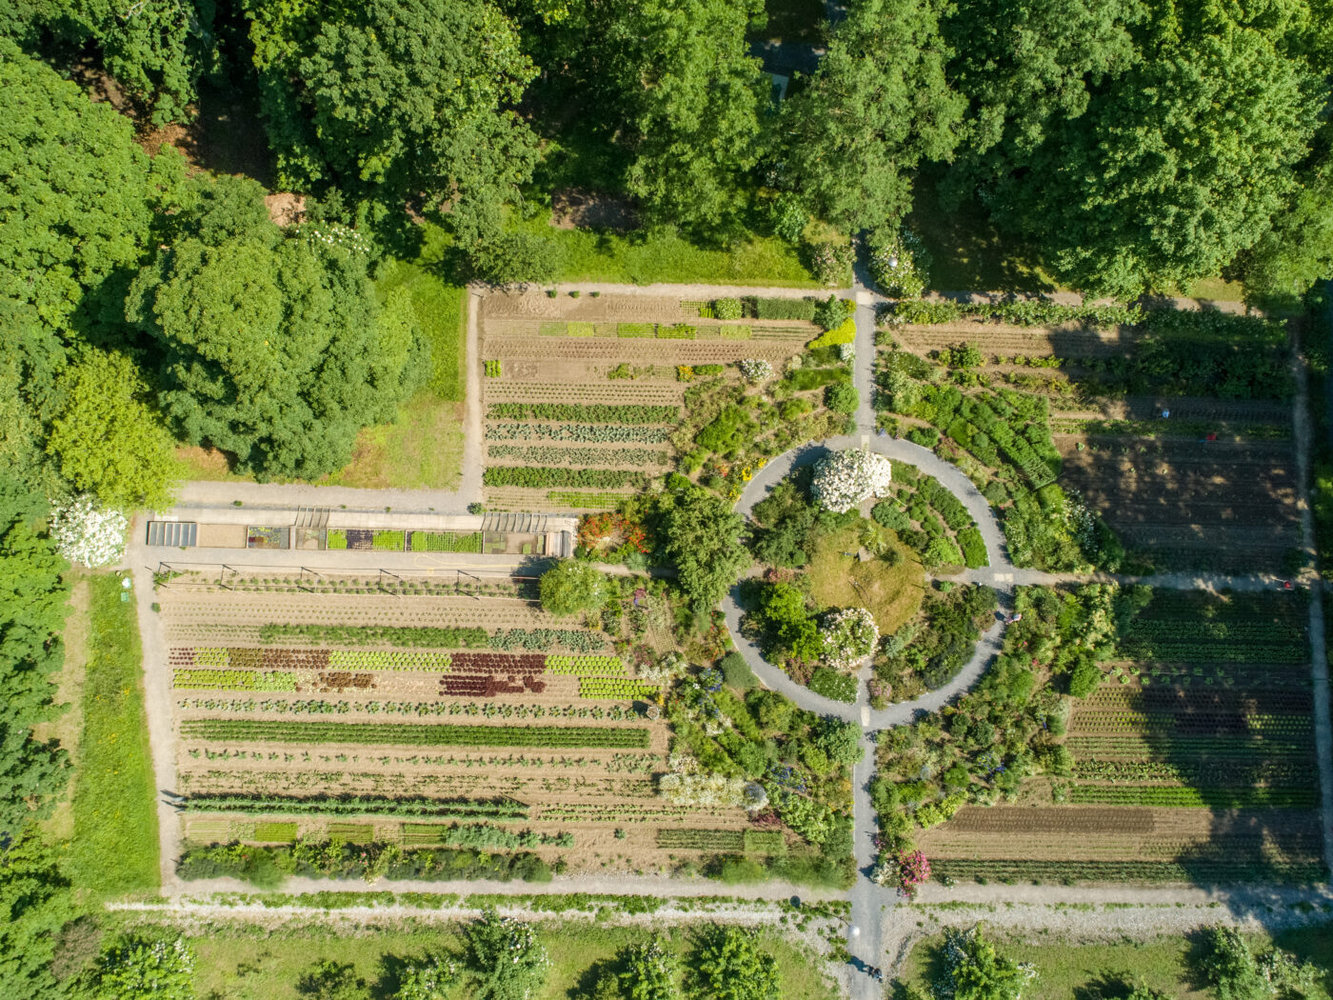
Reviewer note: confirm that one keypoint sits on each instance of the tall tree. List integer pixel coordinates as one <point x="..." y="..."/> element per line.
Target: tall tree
<point x="278" y="354"/>
<point x="392" y="100"/>
<point x="155" y="49"/>
<point x="851" y="140"/>
<point x="691" y="94"/>
<point x="1179" y="166"/>
<point x="700" y="534"/>
<point x="34" y="905"/>
<point x="1025" y="65"/>
<point x="107" y="440"/>
<point x="731" y="966"/>
<point x="79" y="202"/>
<point x="504" y="957"/>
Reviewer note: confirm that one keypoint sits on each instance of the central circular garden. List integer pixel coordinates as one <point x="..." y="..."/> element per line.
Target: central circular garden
<point x="856" y="552"/>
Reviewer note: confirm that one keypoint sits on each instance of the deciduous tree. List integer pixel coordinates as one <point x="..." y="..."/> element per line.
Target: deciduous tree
<point x="393" y="100"/>
<point x="277" y="355"/>
<point x="852" y="138"/>
<point x="732" y="966"/>
<point x="107" y="440"/>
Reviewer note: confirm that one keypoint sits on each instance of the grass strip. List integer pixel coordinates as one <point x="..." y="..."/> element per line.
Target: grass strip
<point x="115" y="848"/>
<point x="397" y="734"/>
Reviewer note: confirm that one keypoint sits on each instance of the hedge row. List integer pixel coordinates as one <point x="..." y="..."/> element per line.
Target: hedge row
<point x="267" y="865"/>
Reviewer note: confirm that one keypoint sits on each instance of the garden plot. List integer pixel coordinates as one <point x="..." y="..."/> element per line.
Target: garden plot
<point x="1208" y="487"/>
<point x="1192" y="761"/>
<point x="1225" y="505"/>
<point x="306" y="716"/>
<point x="584" y="397"/>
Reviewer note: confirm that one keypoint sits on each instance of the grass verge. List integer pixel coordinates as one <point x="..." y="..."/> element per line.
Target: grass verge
<point x="423" y="448"/>
<point x="1109" y="969"/>
<point x="115" y="846"/>
<point x="640" y="259"/>
<point x="240" y="963"/>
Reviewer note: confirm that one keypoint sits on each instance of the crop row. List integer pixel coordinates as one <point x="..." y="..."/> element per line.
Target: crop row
<point x="539" y="478"/>
<point x="1196" y="722"/>
<point x="499" y="663"/>
<point x="488" y="685"/>
<point x="358" y="635"/>
<point x="701" y="840"/>
<point x="548" y="454"/>
<point x="1210" y="773"/>
<point x="1195" y="650"/>
<point x="1246" y="747"/>
<point x="579" y="640"/>
<point x="585" y="501"/>
<point x="1184" y="797"/>
<point x="389" y="659"/>
<point x="209" y="679"/>
<point x="615" y="688"/>
<point x="584" y="666"/>
<point x="248" y="658"/>
<point x="1200" y="870"/>
<point x="353" y="805"/>
<point x="592" y="413"/>
<point x="659" y="331"/>
<point x="407" y="734"/>
<point x="445" y="541"/>
<point x="583" y="433"/>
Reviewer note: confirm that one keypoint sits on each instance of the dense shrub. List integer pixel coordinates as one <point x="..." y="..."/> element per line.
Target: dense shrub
<point x="842" y="398"/>
<point x="833" y="684"/>
<point x="333" y="859"/>
<point x="737" y="672"/>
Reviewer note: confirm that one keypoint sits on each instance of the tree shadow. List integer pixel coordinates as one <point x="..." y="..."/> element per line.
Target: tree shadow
<point x="968" y="253"/>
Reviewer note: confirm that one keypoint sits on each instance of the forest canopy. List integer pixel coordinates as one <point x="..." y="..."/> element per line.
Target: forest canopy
<point x="1119" y="146"/>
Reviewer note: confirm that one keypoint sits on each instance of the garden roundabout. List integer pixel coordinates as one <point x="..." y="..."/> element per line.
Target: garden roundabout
<point x="862" y="562"/>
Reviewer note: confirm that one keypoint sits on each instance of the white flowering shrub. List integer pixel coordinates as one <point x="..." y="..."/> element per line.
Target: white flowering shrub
<point x="846" y="352"/>
<point x="755" y="369"/>
<point x="87" y="534"/>
<point x="688" y="785"/>
<point x="845" y="478"/>
<point x="848" y="636"/>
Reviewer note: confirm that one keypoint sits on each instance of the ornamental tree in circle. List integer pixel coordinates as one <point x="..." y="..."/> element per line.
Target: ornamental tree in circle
<point x="845" y="478"/>
<point x="847" y="636"/>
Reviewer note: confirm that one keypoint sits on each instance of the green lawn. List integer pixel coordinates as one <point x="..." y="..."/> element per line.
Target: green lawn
<point x="263" y="965"/>
<point x="115" y="845"/>
<point x="1096" y="970"/>
<point x="837" y="579"/>
<point x="642" y="260"/>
